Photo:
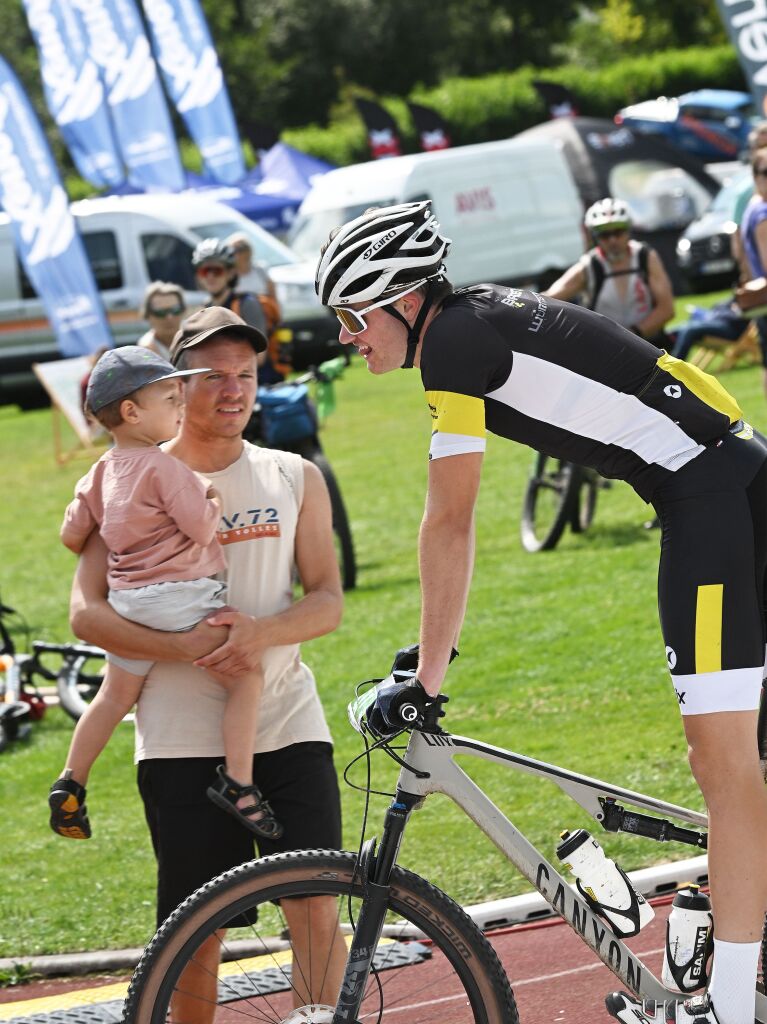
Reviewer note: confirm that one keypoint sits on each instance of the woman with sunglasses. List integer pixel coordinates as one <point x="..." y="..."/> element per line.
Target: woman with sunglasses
<point x="753" y="236"/>
<point x="619" y="277"/>
<point x="162" y="308"/>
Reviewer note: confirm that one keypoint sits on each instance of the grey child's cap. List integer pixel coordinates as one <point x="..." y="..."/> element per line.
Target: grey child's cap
<point x="121" y="371"/>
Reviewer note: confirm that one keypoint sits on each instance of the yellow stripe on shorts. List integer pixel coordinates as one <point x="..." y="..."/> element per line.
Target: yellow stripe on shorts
<point x="703" y="386"/>
<point x="708" y="628"/>
<point x="452" y="413"/>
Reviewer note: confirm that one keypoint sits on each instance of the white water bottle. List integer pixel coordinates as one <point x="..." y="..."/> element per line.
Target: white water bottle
<point x="689" y="941"/>
<point x="605" y="886"/>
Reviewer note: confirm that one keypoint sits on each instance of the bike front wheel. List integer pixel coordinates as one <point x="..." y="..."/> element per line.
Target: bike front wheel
<point x="431" y="964"/>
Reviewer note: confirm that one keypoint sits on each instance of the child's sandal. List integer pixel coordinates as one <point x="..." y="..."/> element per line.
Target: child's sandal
<point x="258" y="816"/>
<point x="69" y="815"/>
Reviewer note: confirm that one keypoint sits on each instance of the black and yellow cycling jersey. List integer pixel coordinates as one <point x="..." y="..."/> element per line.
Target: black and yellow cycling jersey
<point x="568" y="382"/>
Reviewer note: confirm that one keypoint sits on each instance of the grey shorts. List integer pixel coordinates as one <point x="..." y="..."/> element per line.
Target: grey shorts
<point x="172" y="607"/>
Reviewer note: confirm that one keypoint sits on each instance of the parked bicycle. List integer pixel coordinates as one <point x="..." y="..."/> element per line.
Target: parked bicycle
<point x="21" y="703"/>
<point x="558" y="494"/>
<point x="414" y="952"/>
<point x="285" y="417"/>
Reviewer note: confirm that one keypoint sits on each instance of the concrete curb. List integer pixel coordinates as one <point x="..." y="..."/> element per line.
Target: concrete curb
<point x="659" y="880"/>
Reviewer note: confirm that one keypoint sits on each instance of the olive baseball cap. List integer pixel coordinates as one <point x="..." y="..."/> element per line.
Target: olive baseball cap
<point x="210" y="321"/>
<point x="121" y="371"/>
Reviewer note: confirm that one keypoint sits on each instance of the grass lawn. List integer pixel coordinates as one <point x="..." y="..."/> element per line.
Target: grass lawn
<point x="561" y="657"/>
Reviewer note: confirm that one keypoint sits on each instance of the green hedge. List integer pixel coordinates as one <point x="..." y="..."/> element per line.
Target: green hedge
<point x="500" y="105"/>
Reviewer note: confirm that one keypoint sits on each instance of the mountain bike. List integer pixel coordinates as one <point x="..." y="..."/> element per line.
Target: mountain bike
<point x="21" y="702"/>
<point x="558" y="494"/>
<point x="286" y="418"/>
<point x="415" y="956"/>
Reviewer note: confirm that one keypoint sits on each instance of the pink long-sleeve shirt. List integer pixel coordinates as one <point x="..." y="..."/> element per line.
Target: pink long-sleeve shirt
<point x="152" y="514"/>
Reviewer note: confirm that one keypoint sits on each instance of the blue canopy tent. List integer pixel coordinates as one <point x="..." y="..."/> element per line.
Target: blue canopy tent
<point x="269" y="194"/>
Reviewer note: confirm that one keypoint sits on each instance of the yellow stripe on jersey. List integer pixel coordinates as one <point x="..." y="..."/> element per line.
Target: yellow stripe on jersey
<point x="452" y="413"/>
<point x="703" y="385"/>
<point x="708" y="628"/>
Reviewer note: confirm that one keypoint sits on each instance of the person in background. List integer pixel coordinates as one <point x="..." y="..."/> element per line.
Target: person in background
<point x="163" y="307"/>
<point x="753" y="234"/>
<point x="215" y="265"/>
<point x="621" y="278"/>
<point x="251" y="277"/>
<point x="757" y="139"/>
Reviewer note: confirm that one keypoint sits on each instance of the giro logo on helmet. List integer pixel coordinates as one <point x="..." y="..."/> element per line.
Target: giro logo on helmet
<point x="379" y="244"/>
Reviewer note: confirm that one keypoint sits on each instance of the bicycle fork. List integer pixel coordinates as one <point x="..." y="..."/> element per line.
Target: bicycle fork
<point x="375" y="871"/>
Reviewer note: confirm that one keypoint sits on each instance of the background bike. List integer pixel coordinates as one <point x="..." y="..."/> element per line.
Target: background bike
<point x="285" y="417"/>
<point x="558" y="494"/>
<point x="414" y="952"/>
<point x="76" y="677"/>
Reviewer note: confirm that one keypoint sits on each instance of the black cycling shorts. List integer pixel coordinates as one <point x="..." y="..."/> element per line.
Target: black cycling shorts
<point x="194" y="840"/>
<point x="712" y="575"/>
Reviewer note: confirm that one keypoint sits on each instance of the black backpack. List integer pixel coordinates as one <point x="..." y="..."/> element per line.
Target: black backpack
<point x="599" y="275"/>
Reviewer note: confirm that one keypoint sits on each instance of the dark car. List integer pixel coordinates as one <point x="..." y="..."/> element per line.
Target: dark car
<point x="664" y="188"/>
<point x="711" y="124"/>
<point x="704" y="249"/>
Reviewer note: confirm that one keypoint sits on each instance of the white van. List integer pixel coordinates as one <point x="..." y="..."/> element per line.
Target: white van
<point x="131" y="241"/>
<point x="511" y="208"/>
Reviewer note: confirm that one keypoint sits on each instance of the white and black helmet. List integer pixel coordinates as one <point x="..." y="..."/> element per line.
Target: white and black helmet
<point x="607" y="212"/>
<point x="385" y="253"/>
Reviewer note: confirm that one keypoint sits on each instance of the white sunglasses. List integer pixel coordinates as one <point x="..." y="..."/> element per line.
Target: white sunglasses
<point x="353" y="320"/>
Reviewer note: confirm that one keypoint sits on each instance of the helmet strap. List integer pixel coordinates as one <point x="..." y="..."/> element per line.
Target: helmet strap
<point x="414" y="331"/>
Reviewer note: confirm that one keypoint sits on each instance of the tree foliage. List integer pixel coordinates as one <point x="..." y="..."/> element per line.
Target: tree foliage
<point x="292" y="63"/>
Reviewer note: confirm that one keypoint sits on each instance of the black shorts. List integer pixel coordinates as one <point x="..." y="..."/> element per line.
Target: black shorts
<point x="713" y="575"/>
<point x="194" y="840"/>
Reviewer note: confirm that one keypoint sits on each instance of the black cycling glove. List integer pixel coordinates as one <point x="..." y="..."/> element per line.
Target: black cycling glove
<point x="400" y="702"/>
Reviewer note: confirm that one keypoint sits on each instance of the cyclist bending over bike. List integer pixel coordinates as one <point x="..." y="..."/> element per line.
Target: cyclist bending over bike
<point x="573" y="384"/>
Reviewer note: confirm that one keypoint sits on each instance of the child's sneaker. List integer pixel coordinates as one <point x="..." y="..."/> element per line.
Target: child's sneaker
<point x="697" y="1010"/>
<point x="69" y="815"/>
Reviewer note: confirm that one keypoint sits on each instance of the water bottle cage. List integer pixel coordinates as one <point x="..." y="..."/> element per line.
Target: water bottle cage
<point x="630" y="913"/>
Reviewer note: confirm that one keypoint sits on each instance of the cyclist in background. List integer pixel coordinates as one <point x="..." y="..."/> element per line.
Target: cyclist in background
<point x="576" y="385"/>
<point x="619" y="277"/>
<point x="214" y="263"/>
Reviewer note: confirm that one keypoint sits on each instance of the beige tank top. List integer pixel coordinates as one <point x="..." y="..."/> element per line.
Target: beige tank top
<point x="179" y="713"/>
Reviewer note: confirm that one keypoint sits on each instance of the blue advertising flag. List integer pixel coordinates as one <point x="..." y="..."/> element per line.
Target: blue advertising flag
<point x="118" y="44"/>
<point x="746" y="26"/>
<point x="193" y="79"/>
<point x="74" y="92"/>
<point x="46" y="236"/>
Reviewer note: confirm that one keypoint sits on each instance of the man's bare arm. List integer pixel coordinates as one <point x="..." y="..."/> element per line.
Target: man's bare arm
<point x="446" y="551"/>
<point x="316" y="613"/>
<point x="570" y="284"/>
<point x="94" y="620"/>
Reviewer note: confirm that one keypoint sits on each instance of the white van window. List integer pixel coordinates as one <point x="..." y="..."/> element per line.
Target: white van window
<point x="168" y="258"/>
<point x="266" y="249"/>
<point x="658" y="194"/>
<point x="101" y="250"/>
<point x="310" y="231"/>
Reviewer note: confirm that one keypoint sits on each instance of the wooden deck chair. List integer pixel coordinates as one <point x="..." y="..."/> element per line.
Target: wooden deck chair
<point x="728" y="353"/>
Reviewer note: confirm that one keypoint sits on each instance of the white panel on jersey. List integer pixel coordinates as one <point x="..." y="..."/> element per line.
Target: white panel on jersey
<point x="553" y="394"/>
<point x="454" y="444"/>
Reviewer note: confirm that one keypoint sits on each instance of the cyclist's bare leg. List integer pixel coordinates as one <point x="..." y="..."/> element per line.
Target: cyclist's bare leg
<point x="115" y="698"/>
<point x="196" y="996"/>
<point x="319" y="950"/>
